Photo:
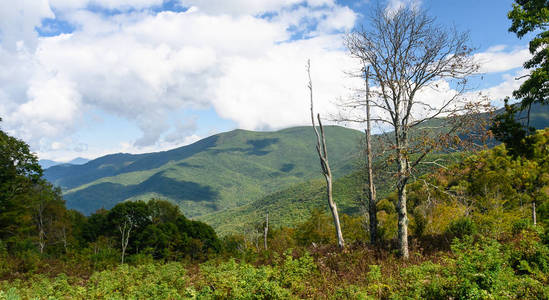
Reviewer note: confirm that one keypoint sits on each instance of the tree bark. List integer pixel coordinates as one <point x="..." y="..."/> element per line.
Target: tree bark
<point x="333" y="209"/>
<point x="401" y="206"/>
<point x="266" y="231"/>
<point x="534" y="221"/>
<point x="125" y="231"/>
<point x="322" y="151"/>
<point x="372" y="201"/>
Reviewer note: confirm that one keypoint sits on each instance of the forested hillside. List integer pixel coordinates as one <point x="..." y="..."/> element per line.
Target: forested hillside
<point x="222" y="171"/>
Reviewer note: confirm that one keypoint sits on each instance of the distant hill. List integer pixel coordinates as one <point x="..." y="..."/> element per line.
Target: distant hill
<point x="46" y="163"/>
<point x="78" y="161"/>
<point x="222" y="171"/>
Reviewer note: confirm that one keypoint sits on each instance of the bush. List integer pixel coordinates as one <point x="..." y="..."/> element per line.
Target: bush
<point x="520" y="225"/>
<point x="232" y="280"/>
<point x="294" y="272"/>
<point x="461" y="228"/>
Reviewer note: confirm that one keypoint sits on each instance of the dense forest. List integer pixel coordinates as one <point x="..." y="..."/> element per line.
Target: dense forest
<point x="472" y="224"/>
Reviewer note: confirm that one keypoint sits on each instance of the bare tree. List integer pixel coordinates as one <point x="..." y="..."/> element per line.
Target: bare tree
<point x="534" y="219"/>
<point x="40" y="219"/>
<point x="323" y="156"/>
<point x="47" y="207"/>
<point x="266" y="231"/>
<point x="372" y="200"/>
<point x="410" y="55"/>
<point x="125" y="227"/>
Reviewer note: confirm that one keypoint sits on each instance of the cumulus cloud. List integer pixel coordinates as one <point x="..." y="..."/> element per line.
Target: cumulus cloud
<point x="108" y="4"/>
<point x="270" y="92"/>
<point x="245" y="59"/>
<point x="497" y="59"/>
<point x="141" y="65"/>
<point x="182" y="131"/>
<point x="510" y="83"/>
<point x="18" y="20"/>
<point x="394" y="5"/>
<point x="249" y="7"/>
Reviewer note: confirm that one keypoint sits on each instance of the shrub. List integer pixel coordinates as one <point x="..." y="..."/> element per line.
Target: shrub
<point x="460" y="228"/>
<point x="232" y="280"/>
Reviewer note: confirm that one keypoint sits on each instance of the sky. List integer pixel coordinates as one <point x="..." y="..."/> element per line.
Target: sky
<point x="85" y="78"/>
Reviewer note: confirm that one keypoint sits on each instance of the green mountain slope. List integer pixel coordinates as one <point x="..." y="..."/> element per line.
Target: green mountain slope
<point x="293" y="205"/>
<point x="222" y="171"/>
<point x="287" y="207"/>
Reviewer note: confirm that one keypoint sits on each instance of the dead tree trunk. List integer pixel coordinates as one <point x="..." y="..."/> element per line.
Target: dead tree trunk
<point x="64" y="238"/>
<point x="372" y="201"/>
<point x="125" y="230"/>
<point x="266" y="231"/>
<point x="534" y="221"/>
<point x="40" y="222"/>
<point x="323" y="156"/>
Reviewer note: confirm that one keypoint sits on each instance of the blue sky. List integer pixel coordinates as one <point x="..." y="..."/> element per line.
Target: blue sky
<point x="92" y="77"/>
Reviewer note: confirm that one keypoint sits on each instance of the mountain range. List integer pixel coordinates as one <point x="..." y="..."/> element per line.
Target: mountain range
<point x="232" y="179"/>
<point x="216" y="173"/>
<point x="46" y="163"/>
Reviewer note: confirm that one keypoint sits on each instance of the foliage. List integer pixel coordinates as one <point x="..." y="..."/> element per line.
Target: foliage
<point x="149" y="281"/>
<point x="511" y="132"/>
<point x="533" y="16"/>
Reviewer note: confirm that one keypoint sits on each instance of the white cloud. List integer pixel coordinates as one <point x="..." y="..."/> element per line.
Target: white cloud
<point x="249" y="7"/>
<point x="394" y="5"/>
<point x="182" y="131"/>
<point x="18" y="20"/>
<point x="270" y="91"/>
<point x="496" y="59"/>
<point x="510" y="83"/>
<point x="108" y="4"/>
<point x="141" y="65"/>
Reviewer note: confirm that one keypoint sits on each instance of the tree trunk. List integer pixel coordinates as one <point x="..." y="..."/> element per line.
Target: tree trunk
<point x="401" y="207"/>
<point x="125" y="233"/>
<point x="64" y="232"/>
<point x="266" y="231"/>
<point x="335" y="214"/>
<point x="372" y="201"/>
<point x="534" y="221"/>
<point x="42" y="240"/>
<point x="322" y="151"/>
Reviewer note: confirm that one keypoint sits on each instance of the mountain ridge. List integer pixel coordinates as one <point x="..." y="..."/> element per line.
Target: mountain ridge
<point x="221" y="171"/>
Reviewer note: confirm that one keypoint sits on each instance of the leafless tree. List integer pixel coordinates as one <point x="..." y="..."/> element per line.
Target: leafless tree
<point x="40" y="219"/>
<point x="372" y="199"/>
<point x="266" y="231"/>
<point x="409" y="56"/>
<point x="534" y="219"/>
<point x="324" y="164"/>
<point x="125" y="227"/>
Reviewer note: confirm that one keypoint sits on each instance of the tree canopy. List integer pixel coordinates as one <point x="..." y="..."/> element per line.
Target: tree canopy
<point x="529" y="16"/>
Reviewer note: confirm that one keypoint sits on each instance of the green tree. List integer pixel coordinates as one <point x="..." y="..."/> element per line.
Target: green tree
<point x="511" y="132"/>
<point x="529" y="16"/>
<point x="162" y="211"/>
<point x="19" y="172"/>
<point x="127" y="216"/>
